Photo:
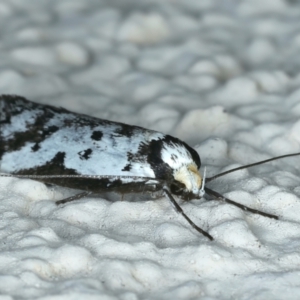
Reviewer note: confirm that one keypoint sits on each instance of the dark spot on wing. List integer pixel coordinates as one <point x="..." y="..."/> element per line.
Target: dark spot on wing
<point x="49" y="130"/>
<point x="59" y="159"/>
<point x="161" y="169"/>
<point x="55" y="166"/>
<point x="35" y="147"/>
<point x="130" y="156"/>
<point x="85" y="154"/>
<point x="174" y="157"/>
<point x="126" y="130"/>
<point x="97" y="135"/>
<point x="127" y="167"/>
<point x="151" y="153"/>
<point x="144" y="149"/>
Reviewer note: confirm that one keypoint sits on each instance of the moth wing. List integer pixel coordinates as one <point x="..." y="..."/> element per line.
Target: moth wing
<point x="45" y="140"/>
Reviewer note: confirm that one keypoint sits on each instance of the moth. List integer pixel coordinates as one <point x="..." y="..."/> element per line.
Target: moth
<point x="56" y="146"/>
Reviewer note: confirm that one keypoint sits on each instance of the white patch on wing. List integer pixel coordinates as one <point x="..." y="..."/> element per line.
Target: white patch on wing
<point x="20" y="123"/>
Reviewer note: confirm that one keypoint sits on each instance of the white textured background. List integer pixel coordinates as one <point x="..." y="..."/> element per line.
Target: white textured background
<point x="223" y="75"/>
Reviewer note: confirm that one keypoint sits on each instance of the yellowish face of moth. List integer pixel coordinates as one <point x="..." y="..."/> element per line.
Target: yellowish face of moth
<point x="190" y="177"/>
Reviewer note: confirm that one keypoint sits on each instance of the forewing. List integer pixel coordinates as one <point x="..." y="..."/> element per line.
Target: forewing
<point x="45" y="140"/>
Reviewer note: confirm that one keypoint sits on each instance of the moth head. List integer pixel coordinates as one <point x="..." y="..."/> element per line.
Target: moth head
<point x="184" y="163"/>
<point x="190" y="177"/>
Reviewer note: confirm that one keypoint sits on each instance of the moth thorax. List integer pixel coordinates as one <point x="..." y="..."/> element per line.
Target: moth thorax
<point x="190" y="177"/>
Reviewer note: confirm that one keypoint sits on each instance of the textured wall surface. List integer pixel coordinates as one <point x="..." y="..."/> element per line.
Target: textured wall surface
<point x="222" y="75"/>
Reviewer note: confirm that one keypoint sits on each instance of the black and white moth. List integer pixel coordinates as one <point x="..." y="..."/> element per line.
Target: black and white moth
<point x="56" y="146"/>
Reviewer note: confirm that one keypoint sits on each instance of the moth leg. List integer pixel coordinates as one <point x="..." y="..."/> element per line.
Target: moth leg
<point x="220" y="197"/>
<point x="179" y="210"/>
<point x="72" y="198"/>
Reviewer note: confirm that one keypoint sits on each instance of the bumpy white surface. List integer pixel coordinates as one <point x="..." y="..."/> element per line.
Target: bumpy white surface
<point x="221" y="75"/>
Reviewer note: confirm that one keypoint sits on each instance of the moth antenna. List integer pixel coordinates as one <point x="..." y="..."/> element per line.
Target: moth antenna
<point x="180" y="211"/>
<point x="250" y="165"/>
<point x="220" y="197"/>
